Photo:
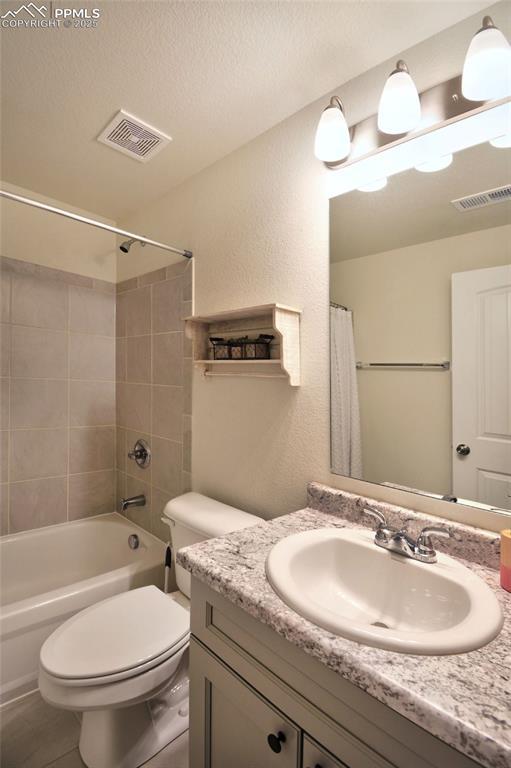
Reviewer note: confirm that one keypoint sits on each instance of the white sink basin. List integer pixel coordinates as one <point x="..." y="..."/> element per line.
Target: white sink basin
<point x="340" y="580"/>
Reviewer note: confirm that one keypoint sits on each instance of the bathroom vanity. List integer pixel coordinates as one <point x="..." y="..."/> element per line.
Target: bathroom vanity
<point x="269" y="688"/>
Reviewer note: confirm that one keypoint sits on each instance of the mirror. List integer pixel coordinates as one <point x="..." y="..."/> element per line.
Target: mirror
<point x="420" y="331"/>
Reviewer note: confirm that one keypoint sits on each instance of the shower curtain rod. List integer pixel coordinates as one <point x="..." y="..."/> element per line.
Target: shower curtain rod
<point x="94" y="223"/>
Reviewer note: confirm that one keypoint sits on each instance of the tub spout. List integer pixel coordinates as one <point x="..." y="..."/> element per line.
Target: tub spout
<point x="133" y="501"/>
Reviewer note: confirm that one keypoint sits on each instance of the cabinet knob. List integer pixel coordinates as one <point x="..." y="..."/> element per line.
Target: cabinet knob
<point x="276" y="741"/>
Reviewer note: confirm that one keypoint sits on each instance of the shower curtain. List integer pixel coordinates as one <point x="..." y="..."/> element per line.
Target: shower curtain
<point x="344" y="410"/>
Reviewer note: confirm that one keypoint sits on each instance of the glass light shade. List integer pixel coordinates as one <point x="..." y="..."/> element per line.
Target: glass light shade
<point x="332" y="143"/>
<point x="436" y="164"/>
<point x="502" y="142"/>
<point x="399" y="110"/>
<point x="373" y="186"/>
<point x="487" y="68"/>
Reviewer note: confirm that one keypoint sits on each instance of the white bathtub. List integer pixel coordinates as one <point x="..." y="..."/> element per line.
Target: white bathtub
<point x="46" y="575"/>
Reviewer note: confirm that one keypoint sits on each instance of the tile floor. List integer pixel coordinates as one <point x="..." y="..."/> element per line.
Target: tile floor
<point x="35" y="735"/>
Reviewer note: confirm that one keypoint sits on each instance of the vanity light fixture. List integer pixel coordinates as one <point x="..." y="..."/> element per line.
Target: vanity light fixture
<point x="399" y="110"/>
<point x="437" y="164"/>
<point x="487" y="67"/>
<point x="332" y="143"/>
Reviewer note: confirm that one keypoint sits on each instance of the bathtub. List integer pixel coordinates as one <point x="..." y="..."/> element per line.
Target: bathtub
<point x="48" y="574"/>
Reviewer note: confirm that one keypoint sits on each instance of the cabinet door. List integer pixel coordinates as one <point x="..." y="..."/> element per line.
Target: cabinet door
<point x="316" y="757"/>
<point x="240" y="729"/>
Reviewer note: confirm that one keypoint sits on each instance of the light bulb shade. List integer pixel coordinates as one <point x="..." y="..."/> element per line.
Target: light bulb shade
<point x="502" y="142"/>
<point x="487" y="68"/>
<point x="332" y="143"/>
<point x="435" y="164"/>
<point x="399" y="110"/>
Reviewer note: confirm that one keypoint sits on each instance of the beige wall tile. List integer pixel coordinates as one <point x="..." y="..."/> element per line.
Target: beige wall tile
<point x="168" y="359"/>
<point x="5" y="295"/>
<point x="139" y="515"/>
<point x="188" y="282"/>
<point x="36" y="503"/>
<point x="168" y="412"/>
<point x="138" y="359"/>
<point x="187" y="384"/>
<point x="120" y="359"/>
<point x="38" y="403"/>
<point x="167" y="298"/>
<point x="91" y="449"/>
<point x="4" y="403"/>
<point x="91" y="357"/>
<point x="120" y="449"/>
<point x="120" y="314"/>
<point x="5" y="349"/>
<point x="92" y="403"/>
<point x="91" y="311"/>
<point x="134" y="406"/>
<point x="42" y="303"/>
<point x="91" y="494"/>
<point x="4" y="509"/>
<point x="153" y="277"/>
<point x="38" y="353"/>
<point x="138" y="311"/>
<point x="173" y="270"/>
<point x="167" y="462"/>
<point x="127" y="285"/>
<point x="187" y="443"/>
<point x="36" y="453"/>
<point x="4" y="455"/>
<point x="187" y="482"/>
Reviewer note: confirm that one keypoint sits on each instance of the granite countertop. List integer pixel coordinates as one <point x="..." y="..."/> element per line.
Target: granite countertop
<point x="462" y="699"/>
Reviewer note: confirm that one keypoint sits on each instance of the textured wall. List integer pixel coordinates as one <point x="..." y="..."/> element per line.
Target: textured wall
<point x="153" y="371"/>
<point x="57" y="434"/>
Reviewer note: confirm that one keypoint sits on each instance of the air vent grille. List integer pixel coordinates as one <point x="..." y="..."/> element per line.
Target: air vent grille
<point x="133" y="137"/>
<point x="482" y="199"/>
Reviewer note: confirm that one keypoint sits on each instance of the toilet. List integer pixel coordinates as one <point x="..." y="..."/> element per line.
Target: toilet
<point x="123" y="663"/>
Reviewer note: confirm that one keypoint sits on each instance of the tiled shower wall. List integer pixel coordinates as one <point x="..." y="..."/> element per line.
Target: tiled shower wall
<point x="57" y="415"/>
<point x="153" y="392"/>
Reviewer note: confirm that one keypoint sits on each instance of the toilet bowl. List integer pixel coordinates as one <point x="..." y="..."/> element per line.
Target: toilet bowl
<point x="123" y="663"/>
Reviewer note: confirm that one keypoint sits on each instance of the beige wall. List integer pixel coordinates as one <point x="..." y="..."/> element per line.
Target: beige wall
<point x="257" y="222"/>
<point x="33" y="235"/>
<point x="402" y="311"/>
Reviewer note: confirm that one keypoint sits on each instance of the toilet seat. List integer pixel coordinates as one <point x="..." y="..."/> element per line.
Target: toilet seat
<point x="90" y="649"/>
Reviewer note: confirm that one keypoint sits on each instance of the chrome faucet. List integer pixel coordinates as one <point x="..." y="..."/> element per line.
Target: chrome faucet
<point x="133" y="501"/>
<point x="400" y="542"/>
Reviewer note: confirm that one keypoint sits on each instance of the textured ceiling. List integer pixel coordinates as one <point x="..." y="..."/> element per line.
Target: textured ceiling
<point x="415" y="207"/>
<point x="211" y="74"/>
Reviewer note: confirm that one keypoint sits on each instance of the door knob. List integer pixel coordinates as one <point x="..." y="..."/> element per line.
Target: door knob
<point x="462" y="449"/>
<point x="276" y="741"/>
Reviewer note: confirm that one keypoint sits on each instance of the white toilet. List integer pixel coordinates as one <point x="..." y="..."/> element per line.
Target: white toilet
<point x="123" y="663"/>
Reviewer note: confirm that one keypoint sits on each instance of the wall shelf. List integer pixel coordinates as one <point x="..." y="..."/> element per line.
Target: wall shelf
<point x="283" y="322"/>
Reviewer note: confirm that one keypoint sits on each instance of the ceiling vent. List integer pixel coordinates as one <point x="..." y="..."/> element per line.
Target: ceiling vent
<point x="133" y="137"/>
<point x="482" y="199"/>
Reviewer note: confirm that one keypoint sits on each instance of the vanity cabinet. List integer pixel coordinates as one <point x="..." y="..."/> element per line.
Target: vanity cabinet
<point x="258" y="701"/>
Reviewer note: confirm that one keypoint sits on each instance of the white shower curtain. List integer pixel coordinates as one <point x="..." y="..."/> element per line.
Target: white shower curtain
<point x="344" y="409"/>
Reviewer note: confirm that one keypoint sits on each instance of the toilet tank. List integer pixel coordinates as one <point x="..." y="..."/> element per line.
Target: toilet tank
<point x="193" y="517"/>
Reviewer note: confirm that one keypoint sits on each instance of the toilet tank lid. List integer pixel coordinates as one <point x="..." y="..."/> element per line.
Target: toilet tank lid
<point x="206" y="516"/>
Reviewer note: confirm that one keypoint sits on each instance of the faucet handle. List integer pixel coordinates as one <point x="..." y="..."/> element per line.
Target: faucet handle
<point x="424" y="543"/>
<point x="382" y="522"/>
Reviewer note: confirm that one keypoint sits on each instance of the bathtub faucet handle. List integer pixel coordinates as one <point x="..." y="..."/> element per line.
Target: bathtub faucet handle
<point x="133" y="501"/>
<point x="140" y="454"/>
